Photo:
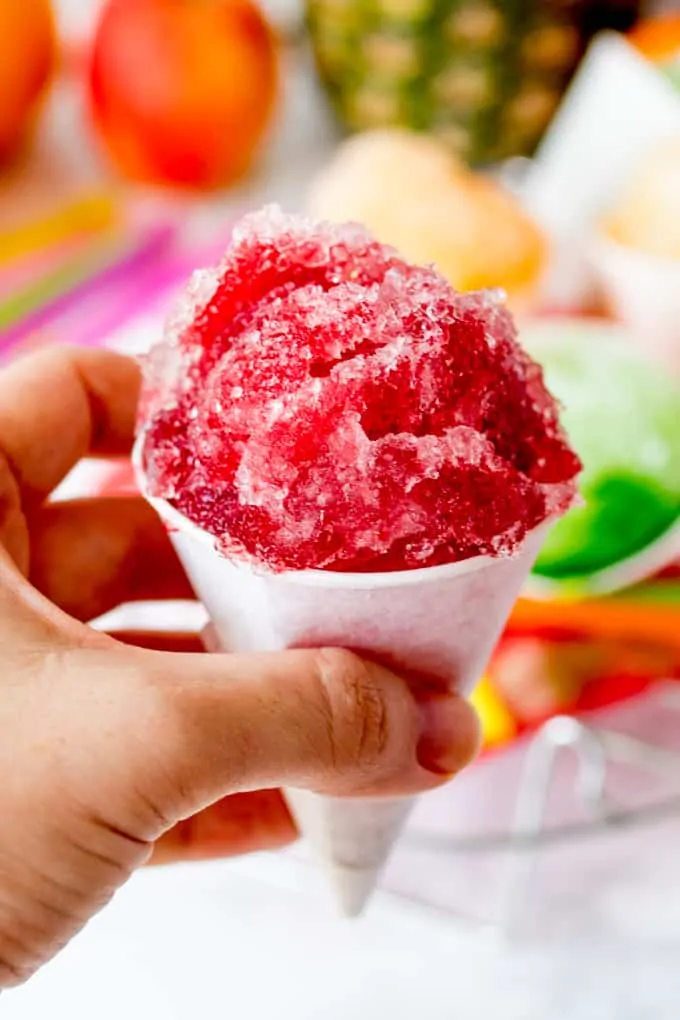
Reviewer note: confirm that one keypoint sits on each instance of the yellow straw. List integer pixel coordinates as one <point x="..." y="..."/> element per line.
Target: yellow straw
<point x="89" y="213"/>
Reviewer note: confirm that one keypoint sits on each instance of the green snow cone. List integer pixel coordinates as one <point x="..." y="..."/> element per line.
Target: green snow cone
<point x="622" y="416"/>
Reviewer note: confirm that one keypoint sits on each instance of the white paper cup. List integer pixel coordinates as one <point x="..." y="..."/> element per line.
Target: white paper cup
<point x="440" y="621"/>
<point x="643" y="291"/>
<point x="617" y="107"/>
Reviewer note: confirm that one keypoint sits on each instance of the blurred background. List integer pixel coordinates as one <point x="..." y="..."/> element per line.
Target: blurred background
<point x="530" y="145"/>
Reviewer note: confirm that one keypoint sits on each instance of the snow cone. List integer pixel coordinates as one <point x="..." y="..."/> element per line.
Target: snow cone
<point x="348" y="452"/>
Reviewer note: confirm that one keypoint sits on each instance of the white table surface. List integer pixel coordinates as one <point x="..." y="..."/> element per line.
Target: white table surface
<point x="252" y="940"/>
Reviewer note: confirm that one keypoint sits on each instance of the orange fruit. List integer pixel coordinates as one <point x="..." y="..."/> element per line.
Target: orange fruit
<point x="27" y="61"/>
<point x="182" y="90"/>
<point x="658" y="38"/>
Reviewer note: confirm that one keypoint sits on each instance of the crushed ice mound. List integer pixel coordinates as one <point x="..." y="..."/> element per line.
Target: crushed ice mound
<point x="317" y="402"/>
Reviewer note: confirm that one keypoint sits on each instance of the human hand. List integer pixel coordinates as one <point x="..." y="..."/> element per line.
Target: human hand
<point x="108" y="751"/>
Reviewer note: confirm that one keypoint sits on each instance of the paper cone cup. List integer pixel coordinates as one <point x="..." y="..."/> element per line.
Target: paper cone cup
<point x="618" y="105"/>
<point x="440" y="621"/>
<point x="643" y="291"/>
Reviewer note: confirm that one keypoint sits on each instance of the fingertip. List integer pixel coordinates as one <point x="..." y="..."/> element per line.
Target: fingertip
<point x="450" y="734"/>
<point x="240" y="824"/>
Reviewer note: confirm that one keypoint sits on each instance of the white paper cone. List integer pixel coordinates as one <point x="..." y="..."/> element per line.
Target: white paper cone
<point x="351" y="840"/>
<point x="440" y="621"/>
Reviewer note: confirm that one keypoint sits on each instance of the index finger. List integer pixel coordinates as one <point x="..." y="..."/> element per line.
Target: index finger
<point x="60" y="404"/>
<point x="241" y="824"/>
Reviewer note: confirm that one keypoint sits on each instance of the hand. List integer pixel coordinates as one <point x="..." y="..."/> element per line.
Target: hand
<point x="108" y="751"/>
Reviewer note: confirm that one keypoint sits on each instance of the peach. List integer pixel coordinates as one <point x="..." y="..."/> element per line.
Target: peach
<point x="182" y="90"/>
<point x="413" y="194"/>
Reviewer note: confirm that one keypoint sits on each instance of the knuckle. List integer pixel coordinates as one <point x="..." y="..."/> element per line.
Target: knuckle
<point x="41" y="937"/>
<point x="34" y="927"/>
<point x="13" y="974"/>
<point x="356" y="711"/>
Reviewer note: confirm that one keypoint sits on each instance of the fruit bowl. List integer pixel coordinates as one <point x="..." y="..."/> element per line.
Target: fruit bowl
<point x="590" y="804"/>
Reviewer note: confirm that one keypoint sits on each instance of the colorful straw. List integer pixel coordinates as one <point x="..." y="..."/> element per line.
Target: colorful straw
<point x="87" y="214"/>
<point x="98" y="315"/>
<point x="27" y="270"/>
<point x="104" y="267"/>
<point x="91" y="324"/>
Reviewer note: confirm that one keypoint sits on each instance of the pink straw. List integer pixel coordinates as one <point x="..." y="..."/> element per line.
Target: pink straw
<point x="131" y="264"/>
<point x="98" y="314"/>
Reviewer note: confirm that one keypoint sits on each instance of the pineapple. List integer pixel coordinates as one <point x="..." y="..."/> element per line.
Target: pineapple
<point x="484" y="75"/>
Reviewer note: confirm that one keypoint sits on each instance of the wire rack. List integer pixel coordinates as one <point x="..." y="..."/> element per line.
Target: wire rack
<point x="567" y="759"/>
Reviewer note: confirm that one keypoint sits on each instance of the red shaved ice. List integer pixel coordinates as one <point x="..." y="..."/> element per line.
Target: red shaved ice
<point x="317" y="402"/>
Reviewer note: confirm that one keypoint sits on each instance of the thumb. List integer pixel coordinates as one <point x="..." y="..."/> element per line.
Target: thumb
<point x="106" y="747"/>
<point x="178" y="732"/>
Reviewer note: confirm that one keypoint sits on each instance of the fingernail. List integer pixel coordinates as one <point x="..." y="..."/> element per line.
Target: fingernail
<point x="449" y="734"/>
